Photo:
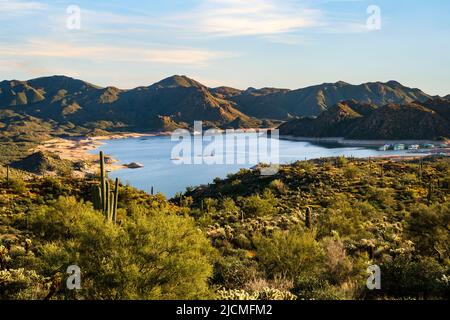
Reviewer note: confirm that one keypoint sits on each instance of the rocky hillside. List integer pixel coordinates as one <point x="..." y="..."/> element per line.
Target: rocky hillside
<point x="41" y="163"/>
<point x="174" y="102"/>
<point x="311" y="101"/>
<point x="353" y="120"/>
<point x="178" y="101"/>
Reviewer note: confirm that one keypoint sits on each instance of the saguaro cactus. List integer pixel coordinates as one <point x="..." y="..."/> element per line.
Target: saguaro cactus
<point x="103" y="180"/>
<point x="420" y="169"/>
<point x="430" y="193"/>
<point x="106" y="199"/>
<point x="308" y="217"/>
<point x="115" y="201"/>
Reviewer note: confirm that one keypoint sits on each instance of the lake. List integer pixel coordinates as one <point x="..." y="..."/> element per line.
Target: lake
<point x="160" y="171"/>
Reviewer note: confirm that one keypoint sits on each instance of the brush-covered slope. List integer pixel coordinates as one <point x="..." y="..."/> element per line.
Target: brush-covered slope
<point x="177" y="100"/>
<point x="428" y="120"/>
<point x="181" y="100"/>
<point x="311" y="101"/>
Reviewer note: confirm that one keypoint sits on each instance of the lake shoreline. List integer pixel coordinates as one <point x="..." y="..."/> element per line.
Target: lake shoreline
<point x="80" y="149"/>
<point x="360" y="142"/>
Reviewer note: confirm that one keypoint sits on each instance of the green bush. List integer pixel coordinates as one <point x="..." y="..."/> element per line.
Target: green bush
<point x="315" y="288"/>
<point x="152" y="255"/>
<point x="234" y="272"/>
<point x="266" y="294"/>
<point x="290" y="254"/>
<point x="257" y="206"/>
<point x="21" y="284"/>
<point x="17" y="186"/>
<point x="428" y="228"/>
<point x="419" y="277"/>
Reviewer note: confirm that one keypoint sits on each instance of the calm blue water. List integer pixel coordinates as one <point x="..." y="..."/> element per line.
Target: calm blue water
<point x="159" y="171"/>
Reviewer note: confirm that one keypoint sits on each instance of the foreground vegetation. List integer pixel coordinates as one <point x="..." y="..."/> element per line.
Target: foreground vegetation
<point x="309" y="232"/>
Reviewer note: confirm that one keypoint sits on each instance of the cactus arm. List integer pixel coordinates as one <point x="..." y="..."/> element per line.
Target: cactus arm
<point x="107" y="203"/>
<point x="103" y="181"/>
<point x="116" y="201"/>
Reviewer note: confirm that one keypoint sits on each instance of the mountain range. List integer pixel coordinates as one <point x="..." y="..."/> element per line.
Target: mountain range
<point x="177" y="101"/>
<point x="356" y="120"/>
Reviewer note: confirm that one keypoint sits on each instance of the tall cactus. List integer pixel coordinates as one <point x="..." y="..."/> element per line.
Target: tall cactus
<point x="308" y="217"/>
<point x="115" y="201"/>
<point x="420" y="169"/>
<point x="103" y="180"/>
<point x="430" y="193"/>
<point x="105" y="199"/>
<point x="7" y="175"/>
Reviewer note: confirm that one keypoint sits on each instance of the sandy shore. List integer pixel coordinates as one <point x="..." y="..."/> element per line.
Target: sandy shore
<point x="80" y="150"/>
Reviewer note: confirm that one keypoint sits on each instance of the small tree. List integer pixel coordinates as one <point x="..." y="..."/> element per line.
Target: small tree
<point x="152" y="255"/>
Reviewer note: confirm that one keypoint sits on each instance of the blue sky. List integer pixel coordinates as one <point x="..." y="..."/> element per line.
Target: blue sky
<point x="238" y="43"/>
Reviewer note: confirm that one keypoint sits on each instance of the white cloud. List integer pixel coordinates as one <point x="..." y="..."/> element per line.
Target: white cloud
<point x="55" y="49"/>
<point x="16" y="7"/>
<point x="248" y="17"/>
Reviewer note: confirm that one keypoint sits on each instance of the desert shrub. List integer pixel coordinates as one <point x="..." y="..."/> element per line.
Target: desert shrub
<point x="235" y="273"/>
<point x="419" y="277"/>
<point x="305" y="165"/>
<point x="21" y="284"/>
<point x="351" y="172"/>
<point x="278" y="186"/>
<point x="211" y="205"/>
<point x="344" y="218"/>
<point x="242" y="241"/>
<point x="316" y="288"/>
<point x="229" y="208"/>
<point x="266" y="294"/>
<point x="290" y="254"/>
<point x="443" y="166"/>
<point x="381" y="197"/>
<point x="341" y="162"/>
<point x="153" y="255"/>
<point x="338" y="265"/>
<point x="257" y="205"/>
<point x="428" y="228"/>
<point x="52" y="188"/>
<point x="409" y="179"/>
<point x="17" y="185"/>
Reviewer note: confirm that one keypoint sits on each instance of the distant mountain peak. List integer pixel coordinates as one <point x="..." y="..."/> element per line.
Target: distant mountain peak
<point x="341" y="83"/>
<point x="393" y="83"/>
<point x="59" y="81"/>
<point x="177" y="81"/>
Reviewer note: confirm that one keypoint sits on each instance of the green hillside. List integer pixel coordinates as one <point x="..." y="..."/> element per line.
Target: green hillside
<point x="353" y="120"/>
<point x="309" y="232"/>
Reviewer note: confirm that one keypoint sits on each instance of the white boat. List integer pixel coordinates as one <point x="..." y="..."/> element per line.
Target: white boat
<point x="399" y="147"/>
